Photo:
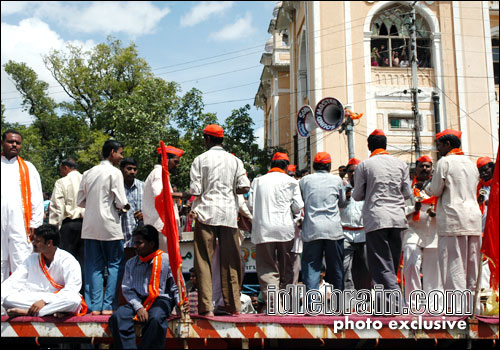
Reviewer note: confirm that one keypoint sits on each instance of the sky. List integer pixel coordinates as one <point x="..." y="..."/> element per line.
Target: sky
<point x="214" y="46"/>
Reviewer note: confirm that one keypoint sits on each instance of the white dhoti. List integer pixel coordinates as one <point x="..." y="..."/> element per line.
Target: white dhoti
<point x="65" y="302"/>
<point x="15" y="247"/>
<point x="412" y="263"/>
<point x="459" y="261"/>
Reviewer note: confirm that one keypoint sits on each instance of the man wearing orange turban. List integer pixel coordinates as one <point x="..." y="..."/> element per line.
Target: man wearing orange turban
<point x="458" y="216"/>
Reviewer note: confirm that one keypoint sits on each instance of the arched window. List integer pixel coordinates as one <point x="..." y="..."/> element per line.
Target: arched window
<point x="391" y="37"/>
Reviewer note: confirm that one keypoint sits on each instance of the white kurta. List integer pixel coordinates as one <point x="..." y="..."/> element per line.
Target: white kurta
<point x="15" y="246"/>
<point x="274" y="199"/>
<point x="63" y="202"/>
<point x="152" y="188"/>
<point x="29" y="284"/>
<point x="102" y="194"/>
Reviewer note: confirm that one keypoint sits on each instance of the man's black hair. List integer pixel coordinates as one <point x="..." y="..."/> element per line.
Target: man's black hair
<point x="376" y="142"/>
<point x="452" y="139"/>
<point x="70" y="163"/>
<point x="110" y="145"/>
<point x="149" y="233"/>
<point x="322" y="166"/>
<point x="213" y="139"/>
<point x="10" y="131"/>
<point x="280" y="163"/>
<point x="48" y="232"/>
<point x="128" y="161"/>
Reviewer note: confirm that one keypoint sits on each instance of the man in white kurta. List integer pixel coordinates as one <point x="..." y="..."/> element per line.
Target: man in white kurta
<point x="420" y="253"/>
<point x="274" y="199"/>
<point x="458" y="216"/>
<point x="102" y="194"/>
<point x="152" y="188"/>
<point x="28" y="291"/>
<point x="15" y="243"/>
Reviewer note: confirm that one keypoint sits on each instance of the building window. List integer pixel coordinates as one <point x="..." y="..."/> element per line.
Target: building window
<point x="494" y="47"/>
<point x="391" y="38"/>
<point x="400" y="123"/>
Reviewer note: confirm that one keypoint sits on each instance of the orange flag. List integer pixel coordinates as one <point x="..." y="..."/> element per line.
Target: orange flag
<point x="490" y="238"/>
<point x="164" y="205"/>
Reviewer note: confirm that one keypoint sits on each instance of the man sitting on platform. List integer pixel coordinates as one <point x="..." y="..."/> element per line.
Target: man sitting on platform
<point x="47" y="283"/>
<point x="150" y="290"/>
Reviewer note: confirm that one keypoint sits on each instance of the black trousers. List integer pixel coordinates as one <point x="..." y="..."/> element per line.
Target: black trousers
<point x="154" y="332"/>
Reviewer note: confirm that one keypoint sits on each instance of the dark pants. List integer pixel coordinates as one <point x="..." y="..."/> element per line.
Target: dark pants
<point x="383" y="248"/>
<point x="71" y="238"/>
<point x="71" y="241"/>
<point x="154" y="332"/>
<point x="312" y="259"/>
<point x="356" y="274"/>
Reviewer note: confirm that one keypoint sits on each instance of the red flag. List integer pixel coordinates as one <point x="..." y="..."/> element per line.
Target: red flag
<point x="165" y="207"/>
<point x="490" y="238"/>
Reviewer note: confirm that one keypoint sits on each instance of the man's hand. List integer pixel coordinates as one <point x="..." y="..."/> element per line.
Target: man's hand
<point x="193" y="215"/>
<point x="142" y="315"/>
<point x="185" y="308"/>
<point x="138" y="215"/>
<point x="36" y="307"/>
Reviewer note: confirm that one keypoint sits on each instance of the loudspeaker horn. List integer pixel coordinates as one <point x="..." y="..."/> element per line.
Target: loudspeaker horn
<point x="305" y="121"/>
<point x="329" y="114"/>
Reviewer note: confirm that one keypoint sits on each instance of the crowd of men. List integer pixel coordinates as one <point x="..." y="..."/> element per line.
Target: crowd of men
<point x="104" y="226"/>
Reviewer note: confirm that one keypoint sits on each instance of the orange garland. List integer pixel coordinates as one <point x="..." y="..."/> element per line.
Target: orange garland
<point x="83" y="309"/>
<point x="432" y="201"/>
<point x="24" y="175"/>
<point x="154" y="282"/>
<point x="378" y="151"/>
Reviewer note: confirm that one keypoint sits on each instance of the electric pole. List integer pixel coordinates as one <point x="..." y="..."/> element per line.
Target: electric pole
<point x="414" y="74"/>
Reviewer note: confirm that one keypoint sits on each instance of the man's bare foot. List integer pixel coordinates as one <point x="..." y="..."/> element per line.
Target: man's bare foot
<point x="107" y="312"/>
<point x="207" y="314"/>
<point x="95" y="313"/>
<point x="17" y="312"/>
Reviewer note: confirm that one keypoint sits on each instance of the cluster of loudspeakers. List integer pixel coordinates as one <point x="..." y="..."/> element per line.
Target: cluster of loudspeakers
<point x="328" y="115"/>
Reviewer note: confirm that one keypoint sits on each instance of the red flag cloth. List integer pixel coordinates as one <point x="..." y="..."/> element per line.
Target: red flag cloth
<point x="164" y="205"/>
<point x="490" y="238"/>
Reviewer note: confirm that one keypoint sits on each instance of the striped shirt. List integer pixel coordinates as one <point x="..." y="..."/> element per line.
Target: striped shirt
<point x="215" y="176"/>
<point x="136" y="282"/>
<point x="129" y="223"/>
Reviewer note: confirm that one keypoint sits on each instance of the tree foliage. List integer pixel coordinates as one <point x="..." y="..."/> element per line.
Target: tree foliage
<point x="112" y="93"/>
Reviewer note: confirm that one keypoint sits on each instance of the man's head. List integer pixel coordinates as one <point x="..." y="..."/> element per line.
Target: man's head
<point x="112" y="151"/>
<point x="67" y="166"/>
<point x="128" y="166"/>
<point x="11" y="143"/>
<point x="342" y="171"/>
<point x="291" y="170"/>
<point x="192" y="277"/>
<point x="145" y="240"/>
<point x="213" y="135"/>
<point x="46" y="239"/>
<point x="376" y="140"/>
<point x="486" y="168"/>
<point x="322" y="161"/>
<point x="447" y="140"/>
<point x="280" y="160"/>
<point x="351" y="168"/>
<point x="423" y="168"/>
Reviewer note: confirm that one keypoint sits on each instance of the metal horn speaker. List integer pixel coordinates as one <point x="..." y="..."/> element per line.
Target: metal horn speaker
<point x="305" y="121"/>
<point x="329" y="114"/>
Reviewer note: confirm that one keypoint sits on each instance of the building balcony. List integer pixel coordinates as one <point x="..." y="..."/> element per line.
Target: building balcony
<point x="388" y="76"/>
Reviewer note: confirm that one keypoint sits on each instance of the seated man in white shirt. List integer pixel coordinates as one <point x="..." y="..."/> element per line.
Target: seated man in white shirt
<point x="47" y="283"/>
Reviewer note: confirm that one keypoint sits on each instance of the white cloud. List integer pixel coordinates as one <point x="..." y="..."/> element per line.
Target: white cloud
<point x="27" y="42"/>
<point x="204" y="11"/>
<point x="240" y="29"/>
<point x="12" y="7"/>
<point x="108" y="17"/>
